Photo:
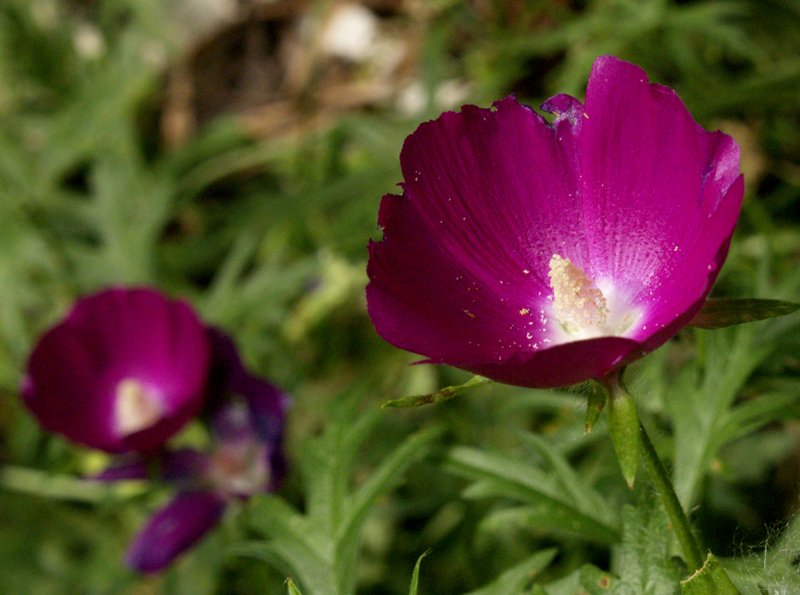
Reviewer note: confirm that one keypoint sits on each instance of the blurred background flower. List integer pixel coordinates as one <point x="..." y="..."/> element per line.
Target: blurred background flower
<point x="124" y="371"/>
<point x="245" y="457"/>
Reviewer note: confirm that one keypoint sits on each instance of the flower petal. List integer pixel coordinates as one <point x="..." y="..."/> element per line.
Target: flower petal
<point x="500" y="190"/>
<point x="561" y="365"/>
<point x="173" y="530"/>
<point x="76" y="369"/>
<point x="184" y="466"/>
<point x="421" y="299"/>
<point x="661" y="196"/>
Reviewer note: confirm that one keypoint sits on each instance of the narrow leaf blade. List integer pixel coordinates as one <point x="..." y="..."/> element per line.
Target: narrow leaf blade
<point x="719" y="313"/>
<point x="415" y="576"/>
<point x="516" y="579"/>
<point x="439" y="396"/>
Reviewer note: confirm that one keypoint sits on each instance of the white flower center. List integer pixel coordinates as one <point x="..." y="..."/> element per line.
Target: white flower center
<point x="136" y="407"/>
<point x="580" y="306"/>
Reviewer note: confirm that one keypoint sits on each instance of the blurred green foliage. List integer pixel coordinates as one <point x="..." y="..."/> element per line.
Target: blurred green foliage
<point x="266" y="234"/>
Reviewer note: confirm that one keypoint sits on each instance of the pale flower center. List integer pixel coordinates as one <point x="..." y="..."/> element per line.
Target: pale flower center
<point x="580" y="306"/>
<point x="136" y="407"/>
<point x="240" y="468"/>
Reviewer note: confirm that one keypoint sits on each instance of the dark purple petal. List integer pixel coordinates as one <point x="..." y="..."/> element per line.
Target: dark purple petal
<point x="183" y="466"/>
<point x="247" y="410"/>
<point x="173" y="530"/>
<point x="627" y="188"/>
<point x="225" y="364"/>
<point x="120" y="335"/>
<point x="267" y="405"/>
<point x="128" y="470"/>
<point x="562" y="365"/>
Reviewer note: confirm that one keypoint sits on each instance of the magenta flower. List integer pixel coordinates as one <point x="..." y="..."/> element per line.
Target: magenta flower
<point x="545" y="254"/>
<point x="124" y="371"/>
<point x="246" y="420"/>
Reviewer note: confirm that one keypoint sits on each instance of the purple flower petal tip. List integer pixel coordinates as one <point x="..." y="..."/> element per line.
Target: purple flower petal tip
<point x="124" y="371"/>
<point x="173" y="530"/>
<point x="543" y="254"/>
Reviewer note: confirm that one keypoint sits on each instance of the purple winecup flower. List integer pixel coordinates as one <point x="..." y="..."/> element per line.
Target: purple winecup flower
<point x="545" y="254"/>
<point x="246" y="420"/>
<point x="124" y="371"/>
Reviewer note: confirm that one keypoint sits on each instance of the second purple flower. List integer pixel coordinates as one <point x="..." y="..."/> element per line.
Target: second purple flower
<point x="124" y="371"/>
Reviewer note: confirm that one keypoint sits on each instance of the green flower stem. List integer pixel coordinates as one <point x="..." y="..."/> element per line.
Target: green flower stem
<point x="663" y="485"/>
<point x="626" y="436"/>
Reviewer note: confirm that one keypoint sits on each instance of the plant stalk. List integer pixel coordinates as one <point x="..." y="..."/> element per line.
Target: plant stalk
<point x="658" y="475"/>
<point x="663" y="485"/>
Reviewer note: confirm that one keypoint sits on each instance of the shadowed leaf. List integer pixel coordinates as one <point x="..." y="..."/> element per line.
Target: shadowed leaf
<point x="719" y="313"/>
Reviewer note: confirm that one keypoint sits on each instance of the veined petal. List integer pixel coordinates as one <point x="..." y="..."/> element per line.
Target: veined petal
<point x="652" y="183"/>
<point x="499" y="190"/>
<point x="173" y="530"/>
<point x="421" y="299"/>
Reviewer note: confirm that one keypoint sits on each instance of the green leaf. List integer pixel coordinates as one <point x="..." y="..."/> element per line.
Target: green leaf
<point x="753" y="414"/>
<point x="516" y="579"/>
<point x="711" y="579"/>
<point x="295" y="546"/>
<point x="580" y="492"/>
<point x="552" y="507"/>
<point x="553" y="519"/>
<point x="598" y="582"/>
<point x="291" y="587"/>
<point x="772" y="571"/>
<point x="699" y="395"/>
<point x="346" y="538"/>
<point x="412" y="590"/>
<point x="646" y="566"/>
<point x="321" y="548"/>
<point x="722" y="312"/>
<point x="439" y="396"/>
<point x="623" y="425"/>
